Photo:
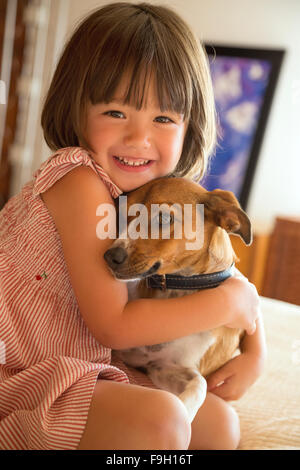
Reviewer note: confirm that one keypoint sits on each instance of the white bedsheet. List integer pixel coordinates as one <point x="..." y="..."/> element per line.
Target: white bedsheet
<point x="270" y="410"/>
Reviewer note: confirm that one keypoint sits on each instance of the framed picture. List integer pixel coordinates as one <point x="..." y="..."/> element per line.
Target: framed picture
<point x="244" y="82"/>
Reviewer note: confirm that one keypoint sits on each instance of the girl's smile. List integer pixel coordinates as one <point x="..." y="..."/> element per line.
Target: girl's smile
<point x="134" y="146"/>
<point x="132" y="165"/>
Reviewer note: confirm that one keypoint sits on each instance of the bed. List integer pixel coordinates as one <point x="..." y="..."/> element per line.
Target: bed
<point x="270" y="411"/>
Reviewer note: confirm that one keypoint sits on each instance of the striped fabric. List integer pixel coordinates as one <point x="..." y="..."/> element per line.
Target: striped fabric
<point x="63" y="161"/>
<point x="49" y="362"/>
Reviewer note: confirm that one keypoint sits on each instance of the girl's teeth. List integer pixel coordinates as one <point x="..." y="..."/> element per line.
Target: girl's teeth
<point x="131" y="163"/>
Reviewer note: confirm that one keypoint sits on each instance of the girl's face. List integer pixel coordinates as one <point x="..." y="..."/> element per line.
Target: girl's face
<point x="134" y="146"/>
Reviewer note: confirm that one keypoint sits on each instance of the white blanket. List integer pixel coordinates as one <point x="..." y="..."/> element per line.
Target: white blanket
<point x="270" y="410"/>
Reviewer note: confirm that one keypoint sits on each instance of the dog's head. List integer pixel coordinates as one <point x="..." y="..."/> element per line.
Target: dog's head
<point x="188" y="239"/>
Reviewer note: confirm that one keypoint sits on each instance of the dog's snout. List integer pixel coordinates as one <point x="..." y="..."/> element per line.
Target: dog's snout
<point x="115" y="256"/>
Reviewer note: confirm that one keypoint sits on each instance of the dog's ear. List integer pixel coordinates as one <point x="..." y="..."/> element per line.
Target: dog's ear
<point x="228" y="214"/>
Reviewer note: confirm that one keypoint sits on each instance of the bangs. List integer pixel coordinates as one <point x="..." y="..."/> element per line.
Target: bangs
<point x="139" y="53"/>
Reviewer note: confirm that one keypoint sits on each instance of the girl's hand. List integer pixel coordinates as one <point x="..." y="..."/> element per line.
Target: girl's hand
<point x="233" y="379"/>
<point x="243" y="303"/>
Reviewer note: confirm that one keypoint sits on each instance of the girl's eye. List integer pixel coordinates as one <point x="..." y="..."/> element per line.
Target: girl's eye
<point x="115" y="114"/>
<point x="163" y="119"/>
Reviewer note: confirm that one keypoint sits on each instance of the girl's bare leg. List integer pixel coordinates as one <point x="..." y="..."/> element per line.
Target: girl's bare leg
<point x="216" y="426"/>
<point x="124" y="416"/>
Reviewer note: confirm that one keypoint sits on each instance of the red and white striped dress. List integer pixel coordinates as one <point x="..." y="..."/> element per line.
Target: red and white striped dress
<point x="49" y="360"/>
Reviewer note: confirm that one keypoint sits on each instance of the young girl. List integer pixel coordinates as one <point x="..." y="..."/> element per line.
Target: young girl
<point x="132" y="87"/>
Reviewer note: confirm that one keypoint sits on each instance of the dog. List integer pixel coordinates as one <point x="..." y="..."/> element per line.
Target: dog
<point x="161" y="268"/>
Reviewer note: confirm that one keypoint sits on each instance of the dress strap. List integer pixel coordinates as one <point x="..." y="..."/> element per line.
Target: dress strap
<point x="65" y="160"/>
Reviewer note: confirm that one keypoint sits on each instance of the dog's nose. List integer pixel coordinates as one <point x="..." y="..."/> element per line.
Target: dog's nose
<point x="115" y="256"/>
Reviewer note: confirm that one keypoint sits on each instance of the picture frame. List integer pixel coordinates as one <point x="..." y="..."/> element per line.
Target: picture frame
<point x="244" y="81"/>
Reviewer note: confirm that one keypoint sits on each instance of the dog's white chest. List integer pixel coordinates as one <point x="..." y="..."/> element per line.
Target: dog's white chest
<point x="186" y="352"/>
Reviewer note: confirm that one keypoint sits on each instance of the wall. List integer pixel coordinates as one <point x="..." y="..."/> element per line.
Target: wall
<point x="269" y="23"/>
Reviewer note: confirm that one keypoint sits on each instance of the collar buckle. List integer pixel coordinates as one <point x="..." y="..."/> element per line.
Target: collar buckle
<point x="157" y="281"/>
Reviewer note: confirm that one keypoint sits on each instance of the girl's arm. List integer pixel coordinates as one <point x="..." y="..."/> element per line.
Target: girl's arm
<point x="256" y="343"/>
<point x="103" y="301"/>
<point x="234" y="378"/>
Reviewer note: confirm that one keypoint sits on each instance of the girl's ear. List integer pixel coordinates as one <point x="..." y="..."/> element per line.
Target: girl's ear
<point x="227" y="213"/>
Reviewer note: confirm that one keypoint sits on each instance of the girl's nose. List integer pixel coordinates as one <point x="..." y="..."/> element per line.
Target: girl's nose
<point x="137" y="136"/>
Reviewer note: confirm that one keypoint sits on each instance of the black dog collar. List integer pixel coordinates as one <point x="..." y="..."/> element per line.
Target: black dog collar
<point x="196" y="282"/>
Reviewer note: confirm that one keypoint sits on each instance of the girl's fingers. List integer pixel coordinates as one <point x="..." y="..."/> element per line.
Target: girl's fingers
<point x="252" y="329"/>
<point x="217" y="379"/>
<point x="224" y="390"/>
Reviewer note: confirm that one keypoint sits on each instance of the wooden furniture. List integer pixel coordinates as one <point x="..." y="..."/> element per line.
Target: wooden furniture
<point x="272" y="262"/>
<point x="282" y="275"/>
<point x="253" y="258"/>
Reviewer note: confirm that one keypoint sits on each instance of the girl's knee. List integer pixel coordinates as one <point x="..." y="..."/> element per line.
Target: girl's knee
<point x="124" y="417"/>
<point x="229" y="431"/>
<point x="170" y="424"/>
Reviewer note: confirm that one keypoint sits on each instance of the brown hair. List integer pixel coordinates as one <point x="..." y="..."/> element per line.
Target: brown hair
<point x="144" y="40"/>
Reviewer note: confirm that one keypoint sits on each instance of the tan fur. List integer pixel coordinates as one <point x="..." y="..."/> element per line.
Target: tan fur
<point x="227" y="343"/>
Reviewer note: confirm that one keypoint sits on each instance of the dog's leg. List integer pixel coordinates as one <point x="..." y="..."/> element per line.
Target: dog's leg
<point x="194" y="395"/>
<point x="187" y="383"/>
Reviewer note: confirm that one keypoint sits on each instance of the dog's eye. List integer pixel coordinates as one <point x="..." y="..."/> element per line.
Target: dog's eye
<point x="164" y="218"/>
